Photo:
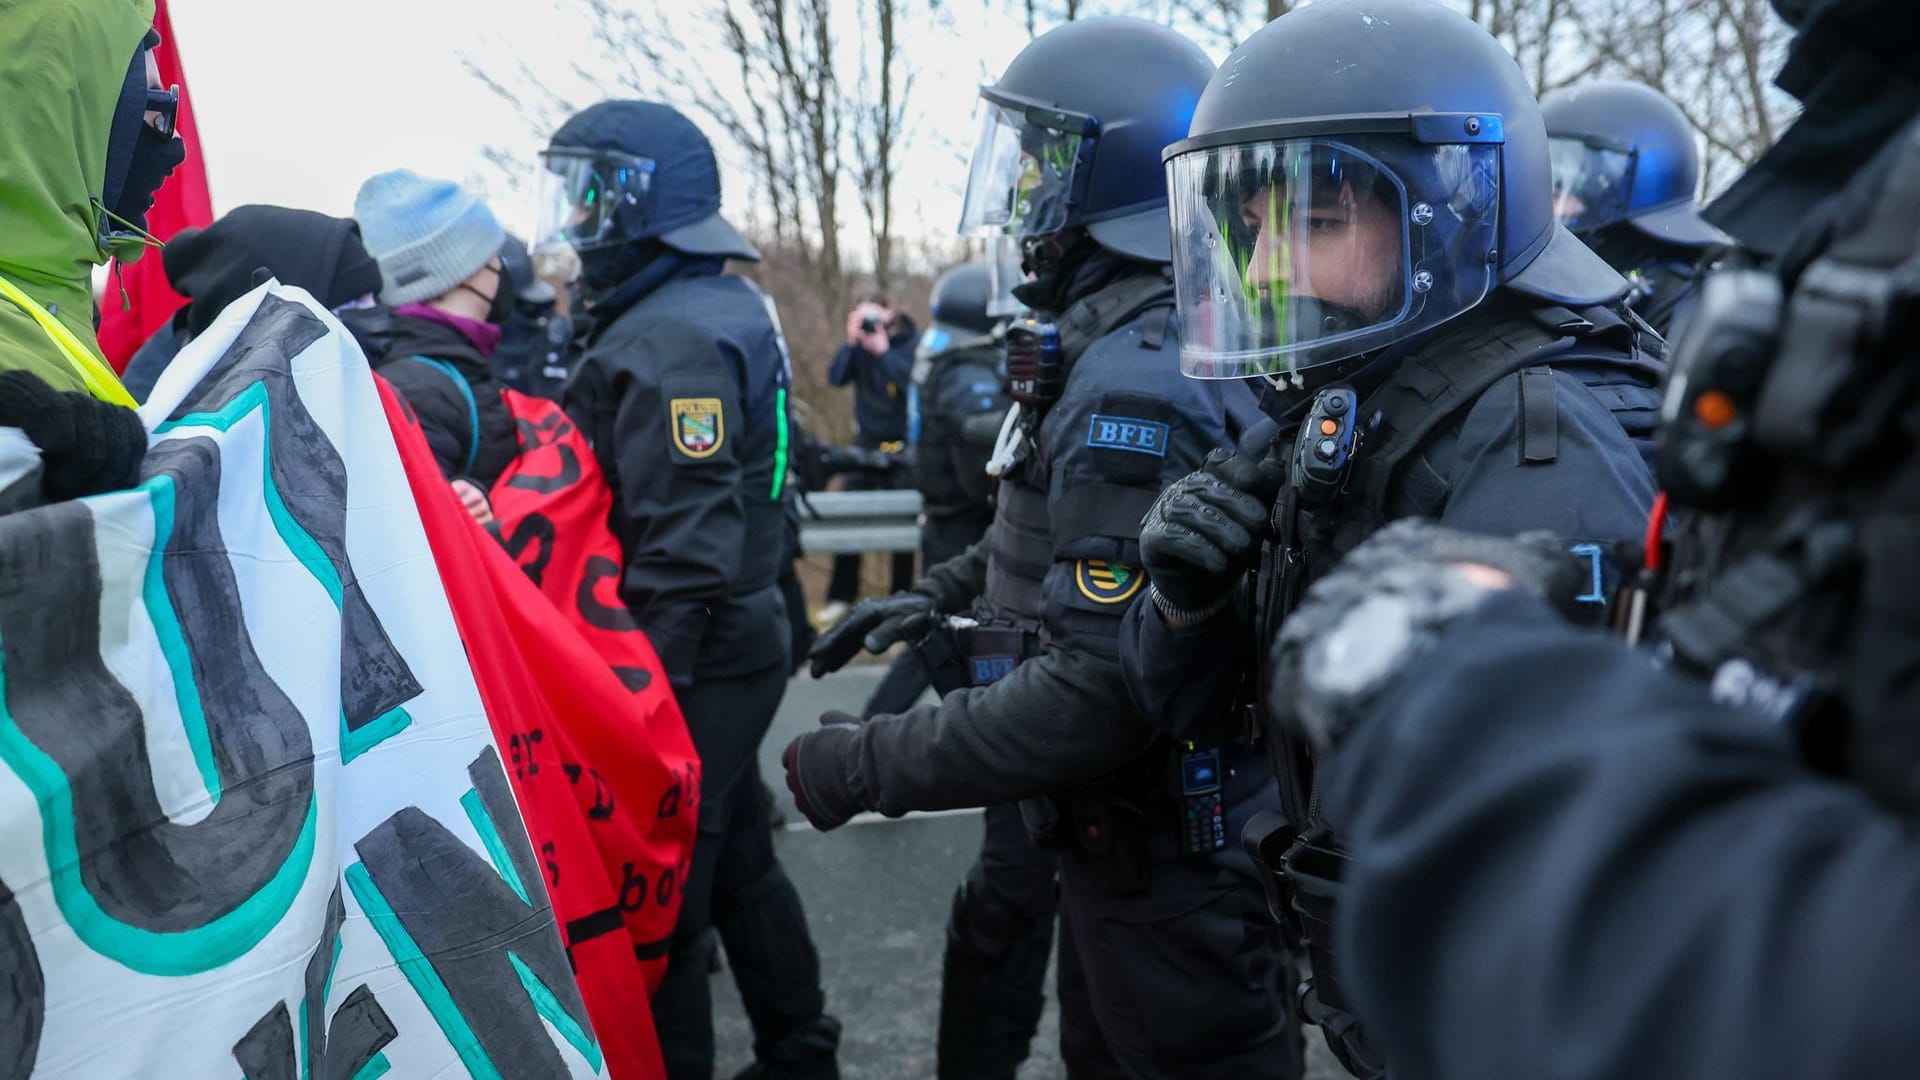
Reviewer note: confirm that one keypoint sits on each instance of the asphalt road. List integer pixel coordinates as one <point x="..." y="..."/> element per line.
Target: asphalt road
<point x="877" y="894"/>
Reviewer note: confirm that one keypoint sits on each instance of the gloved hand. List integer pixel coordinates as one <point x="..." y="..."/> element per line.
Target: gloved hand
<point x="1372" y="619"/>
<point x="873" y="624"/>
<point x="87" y="446"/>
<point x="817" y="773"/>
<point x="1204" y="531"/>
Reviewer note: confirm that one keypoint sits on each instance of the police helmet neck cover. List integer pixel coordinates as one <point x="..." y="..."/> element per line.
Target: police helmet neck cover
<point x="1358" y="173"/>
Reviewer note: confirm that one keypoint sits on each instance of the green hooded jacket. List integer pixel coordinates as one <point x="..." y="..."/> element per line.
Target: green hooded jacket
<point x="62" y="64"/>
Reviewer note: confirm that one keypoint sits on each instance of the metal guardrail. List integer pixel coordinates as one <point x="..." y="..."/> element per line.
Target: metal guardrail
<point x="849" y="522"/>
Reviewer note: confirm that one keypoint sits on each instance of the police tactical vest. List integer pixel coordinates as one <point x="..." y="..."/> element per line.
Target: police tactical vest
<point x="1429" y="392"/>
<point x="942" y="426"/>
<point x="1799" y="600"/>
<point x="1021" y="543"/>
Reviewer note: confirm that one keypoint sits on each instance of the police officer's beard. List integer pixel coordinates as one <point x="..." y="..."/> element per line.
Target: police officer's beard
<point x="1300" y="319"/>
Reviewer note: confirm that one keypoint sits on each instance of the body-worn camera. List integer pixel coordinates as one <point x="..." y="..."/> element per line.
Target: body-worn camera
<point x="1716" y="374"/>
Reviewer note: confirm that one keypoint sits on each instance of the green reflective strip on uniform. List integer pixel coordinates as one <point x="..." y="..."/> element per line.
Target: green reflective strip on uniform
<point x="780" y="446"/>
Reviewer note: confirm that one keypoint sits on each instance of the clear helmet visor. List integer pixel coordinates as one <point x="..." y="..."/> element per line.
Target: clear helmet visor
<point x="1591" y="184"/>
<point x="1293" y="254"/>
<point x="583" y="195"/>
<point x="1021" y="181"/>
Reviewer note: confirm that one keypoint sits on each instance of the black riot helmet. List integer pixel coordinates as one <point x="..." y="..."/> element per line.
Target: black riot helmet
<point x="962" y="311"/>
<point x="1359" y="172"/>
<point x="1070" y="136"/>
<point x="634" y="172"/>
<point x="1623" y="152"/>
<point x="960" y="298"/>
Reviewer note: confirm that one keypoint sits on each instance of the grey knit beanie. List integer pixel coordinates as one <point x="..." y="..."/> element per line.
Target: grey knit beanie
<point x="428" y="235"/>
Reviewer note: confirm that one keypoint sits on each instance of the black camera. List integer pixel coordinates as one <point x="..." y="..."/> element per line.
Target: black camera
<point x="871" y="324"/>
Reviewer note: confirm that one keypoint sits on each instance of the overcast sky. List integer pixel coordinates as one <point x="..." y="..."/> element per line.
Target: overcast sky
<point x="299" y="102"/>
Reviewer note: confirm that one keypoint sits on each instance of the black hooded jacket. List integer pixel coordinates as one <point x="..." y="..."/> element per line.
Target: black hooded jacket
<point x="214" y="266"/>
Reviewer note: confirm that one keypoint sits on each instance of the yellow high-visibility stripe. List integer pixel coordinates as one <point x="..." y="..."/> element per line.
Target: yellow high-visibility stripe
<point x="100" y="380"/>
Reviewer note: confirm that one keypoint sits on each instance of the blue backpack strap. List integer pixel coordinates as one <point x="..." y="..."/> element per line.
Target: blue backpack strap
<point x="473" y="406"/>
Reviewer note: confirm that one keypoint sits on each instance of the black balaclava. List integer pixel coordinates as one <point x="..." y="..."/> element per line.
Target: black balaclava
<point x="1067" y="266"/>
<point x="214" y="266"/>
<point x="139" y="159"/>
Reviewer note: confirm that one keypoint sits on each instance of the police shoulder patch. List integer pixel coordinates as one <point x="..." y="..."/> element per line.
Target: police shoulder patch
<point x="1106" y="582"/>
<point x="1129" y="433"/>
<point x="697" y="426"/>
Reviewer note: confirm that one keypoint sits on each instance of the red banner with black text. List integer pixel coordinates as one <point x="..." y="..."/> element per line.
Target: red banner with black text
<point x="594" y="742"/>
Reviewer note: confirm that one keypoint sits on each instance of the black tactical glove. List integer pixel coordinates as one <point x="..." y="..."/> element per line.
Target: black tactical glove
<point x="872" y="624"/>
<point x="87" y="446"/>
<point x="1204" y="531"/>
<point x="1372" y="619"/>
<point x="817" y="773"/>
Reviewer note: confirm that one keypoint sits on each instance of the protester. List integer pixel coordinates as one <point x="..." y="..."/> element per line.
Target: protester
<point x="214" y="266"/>
<point x="66" y="212"/>
<point x="439" y="251"/>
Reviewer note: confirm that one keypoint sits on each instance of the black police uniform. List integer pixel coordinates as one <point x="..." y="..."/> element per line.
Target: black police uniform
<point x="682" y="391"/>
<point x="1703" y="866"/>
<point x="535" y="354"/>
<point x="961" y="404"/>
<point x="1149" y="937"/>
<point x="1506" y="402"/>
<point x="1665" y="277"/>
<point x="1545" y="446"/>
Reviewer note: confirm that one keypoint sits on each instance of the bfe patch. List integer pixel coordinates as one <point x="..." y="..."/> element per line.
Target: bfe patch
<point x="1140" y="436"/>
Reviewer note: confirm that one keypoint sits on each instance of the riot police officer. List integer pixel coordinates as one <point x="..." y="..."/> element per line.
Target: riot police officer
<point x="955" y="406"/>
<point x="1698" y="863"/>
<point x="1624" y="173"/>
<point x="1167" y="967"/>
<point x="1363" y="223"/>
<point x="536" y="340"/>
<point x="683" y="391"/>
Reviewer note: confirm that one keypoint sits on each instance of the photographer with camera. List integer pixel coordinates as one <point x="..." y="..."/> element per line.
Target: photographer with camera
<point x="878" y="361"/>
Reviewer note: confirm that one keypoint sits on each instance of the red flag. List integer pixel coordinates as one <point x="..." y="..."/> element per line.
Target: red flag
<point x="551" y="506"/>
<point x="601" y="765"/>
<point x="181" y="203"/>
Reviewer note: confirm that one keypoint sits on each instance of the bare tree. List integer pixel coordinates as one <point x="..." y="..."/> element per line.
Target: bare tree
<point x="879" y="125"/>
<point x="1713" y="58"/>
